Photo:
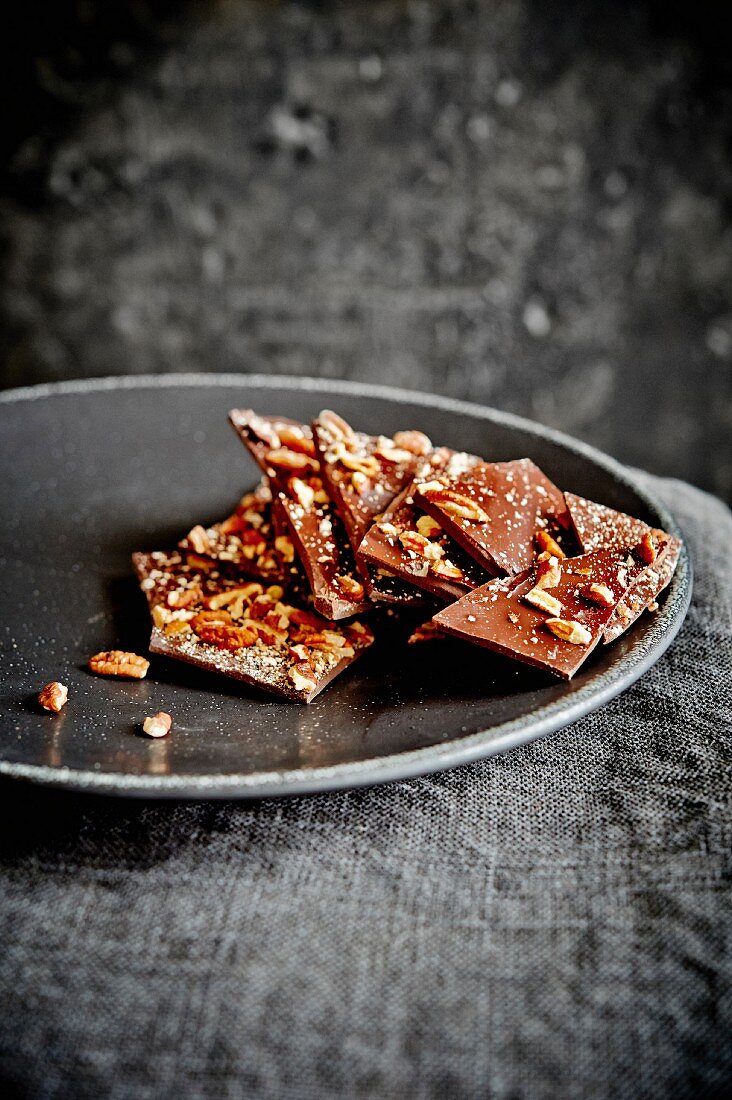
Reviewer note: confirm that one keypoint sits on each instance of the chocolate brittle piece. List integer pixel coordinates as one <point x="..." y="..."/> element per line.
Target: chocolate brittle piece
<point x="363" y="474"/>
<point x="247" y="540"/>
<point x="550" y="616"/>
<point x="415" y="547"/>
<point x="597" y="525"/>
<point x="250" y="631"/>
<point x="284" y="450"/>
<point x="495" y="511"/>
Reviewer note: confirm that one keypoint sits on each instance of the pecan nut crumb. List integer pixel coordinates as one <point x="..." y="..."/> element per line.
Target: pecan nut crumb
<point x="446" y="570"/>
<point x="455" y="504"/>
<point x="116" y="662"/>
<point x="545" y="542"/>
<point x="568" y="630"/>
<point x="549" y="572"/>
<point x="285" y="459"/>
<point x="302" y="676"/>
<point x="294" y="438"/>
<point x="335" y="425"/>
<point x="303" y="493"/>
<point x="647" y="550"/>
<point x="428" y="527"/>
<point x="199" y="540"/>
<point x="601" y="594"/>
<point x="223" y="636"/>
<point x="350" y="586"/>
<point x="361" y="464"/>
<point x="417" y="443"/>
<point x="53" y="696"/>
<point x="543" y="601"/>
<point x="157" y="725"/>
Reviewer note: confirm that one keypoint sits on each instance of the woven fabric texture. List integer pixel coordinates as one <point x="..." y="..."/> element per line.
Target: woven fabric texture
<point x="552" y="922"/>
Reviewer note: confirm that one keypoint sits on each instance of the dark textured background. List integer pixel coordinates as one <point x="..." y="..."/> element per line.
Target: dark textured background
<point x="523" y="203"/>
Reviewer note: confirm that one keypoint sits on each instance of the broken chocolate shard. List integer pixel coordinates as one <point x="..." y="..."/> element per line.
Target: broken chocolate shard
<point x="244" y="629"/>
<point x="508" y="615"/>
<point x="642" y="595"/>
<point x="363" y="474"/>
<point x="415" y="547"/>
<point x="284" y="450"/>
<point x="598" y="525"/>
<point x="494" y="511"/>
<point x="247" y="541"/>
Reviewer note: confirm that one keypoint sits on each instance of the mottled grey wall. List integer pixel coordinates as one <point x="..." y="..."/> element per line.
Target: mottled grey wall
<point x="525" y="204"/>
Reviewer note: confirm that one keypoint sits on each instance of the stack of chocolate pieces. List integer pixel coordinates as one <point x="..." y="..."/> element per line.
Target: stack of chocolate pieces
<point x="343" y="524"/>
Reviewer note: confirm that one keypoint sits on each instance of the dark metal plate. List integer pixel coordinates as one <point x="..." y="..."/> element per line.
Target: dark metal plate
<point x="94" y="470"/>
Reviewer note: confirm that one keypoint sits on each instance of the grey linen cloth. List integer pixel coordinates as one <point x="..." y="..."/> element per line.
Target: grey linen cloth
<point x="552" y="922"/>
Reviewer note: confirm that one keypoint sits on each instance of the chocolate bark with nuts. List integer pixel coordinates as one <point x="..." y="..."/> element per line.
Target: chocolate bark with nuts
<point x="248" y="540"/>
<point x="550" y="616"/>
<point x="496" y="510"/>
<point x="284" y="450"/>
<point x="363" y="474"/>
<point x="597" y="525"/>
<point x="415" y="547"/>
<point x="244" y="629"/>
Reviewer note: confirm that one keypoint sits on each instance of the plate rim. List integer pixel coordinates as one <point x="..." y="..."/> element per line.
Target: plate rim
<point x="549" y="718"/>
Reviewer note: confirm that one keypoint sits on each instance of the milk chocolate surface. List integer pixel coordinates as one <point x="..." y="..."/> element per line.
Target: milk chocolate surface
<point x="494" y="510"/>
<point x="413" y="546"/>
<point x="500" y="617"/>
<point x="250" y="631"/>
<point x="644" y="591"/>
<point x="597" y="525"/>
<point x="363" y="474"/>
<point x="285" y="451"/>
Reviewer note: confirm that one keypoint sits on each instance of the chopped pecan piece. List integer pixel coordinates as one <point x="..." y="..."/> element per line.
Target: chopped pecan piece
<point x="117" y="662"/>
<point x="387" y="449"/>
<point x="230" y="595"/>
<point x="412" y="540"/>
<point x="428" y="527"/>
<point x="417" y="443"/>
<point x="285" y="459"/>
<point x="157" y="725"/>
<point x="362" y="464"/>
<point x="199" y="540"/>
<point x="548" y="573"/>
<point x="264" y="430"/>
<point x="295" y="439"/>
<point x="647" y="550"/>
<point x="541" y="599"/>
<point x="177" y="626"/>
<point x="336" y="425"/>
<point x="447" y="570"/>
<point x="283" y="546"/>
<point x="569" y="631"/>
<point x="350" y="586"/>
<point x="224" y="636"/>
<point x="545" y="541"/>
<point x="600" y="594"/>
<point x="455" y="504"/>
<point x="302" y="676"/>
<point x="53" y="696"/>
<point x="303" y="493"/>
